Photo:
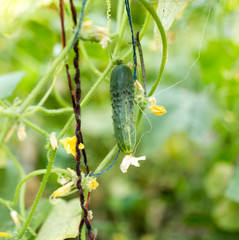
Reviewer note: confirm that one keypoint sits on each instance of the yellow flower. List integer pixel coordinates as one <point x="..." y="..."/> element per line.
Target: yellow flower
<point x="62" y="190"/>
<point x="93" y="184"/>
<point x="5" y="235"/>
<point x="157" y="110"/>
<point x="70" y="145"/>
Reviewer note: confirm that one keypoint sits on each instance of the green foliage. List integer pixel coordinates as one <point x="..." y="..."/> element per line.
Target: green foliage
<point x="232" y="191"/>
<point x="62" y="221"/>
<point x="188" y="186"/>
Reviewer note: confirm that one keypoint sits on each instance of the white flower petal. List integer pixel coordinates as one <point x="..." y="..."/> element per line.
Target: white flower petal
<point x="135" y="161"/>
<point x="125" y="163"/>
<point x="130" y="160"/>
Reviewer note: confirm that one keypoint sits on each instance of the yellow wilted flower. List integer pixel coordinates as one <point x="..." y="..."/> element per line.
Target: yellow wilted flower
<point x="93" y="184"/>
<point x="152" y="100"/>
<point x="104" y="40"/>
<point x="62" y="190"/>
<point x="139" y="86"/>
<point x="5" y="235"/>
<point x="53" y="141"/>
<point x="21" y="132"/>
<point x="70" y="145"/>
<point x="157" y="110"/>
<point x="14" y="217"/>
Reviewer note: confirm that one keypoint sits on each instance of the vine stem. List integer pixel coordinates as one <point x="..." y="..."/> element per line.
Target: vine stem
<point x="31" y="97"/>
<point x="50" y="112"/>
<point x="97" y="83"/>
<point x="46" y="95"/>
<point x="164" y="43"/>
<point x="27" y="177"/>
<point x="141" y="34"/>
<point x="36" y="128"/>
<point x="121" y="33"/>
<point x="38" y="196"/>
<point x="105" y="161"/>
<point x="33" y="174"/>
<point x="86" y="99"/>
<point x="120" y="8"/>
<point x="51" y="70"/>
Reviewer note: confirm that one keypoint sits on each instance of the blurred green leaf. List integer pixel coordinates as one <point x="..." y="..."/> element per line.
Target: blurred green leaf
<point x="225" y="215"/>
<point x="187" y="111"/>
<point x="232" y="191"/>
<point x="8" y="83"/>
<point x="217" y="179"/>
<point x="232" y="4"/>
<point x="13" y="14"/>
<point x="62" y="222"/>
<point x="3" y="158"/>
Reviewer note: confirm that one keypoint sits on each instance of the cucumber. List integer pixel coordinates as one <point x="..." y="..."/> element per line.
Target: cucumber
<point x="122" y="98"/>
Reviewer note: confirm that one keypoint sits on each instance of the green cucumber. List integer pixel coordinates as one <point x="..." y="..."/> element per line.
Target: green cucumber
<point x="122" y="98"/>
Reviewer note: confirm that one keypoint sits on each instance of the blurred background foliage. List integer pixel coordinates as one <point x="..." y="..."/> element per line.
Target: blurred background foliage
<point x="187" y="188"/>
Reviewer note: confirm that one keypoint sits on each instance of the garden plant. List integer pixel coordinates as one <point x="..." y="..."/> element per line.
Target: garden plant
<point x="82" y="105"/>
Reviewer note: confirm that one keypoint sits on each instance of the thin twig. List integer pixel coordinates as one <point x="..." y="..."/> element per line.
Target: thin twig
<point x="141" y="61"/>
<point x="79" y="136"/>
<point x="63" y="40"/>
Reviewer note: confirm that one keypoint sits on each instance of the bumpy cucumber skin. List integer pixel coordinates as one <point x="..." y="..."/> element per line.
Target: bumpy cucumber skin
<point x="122" y="98"/>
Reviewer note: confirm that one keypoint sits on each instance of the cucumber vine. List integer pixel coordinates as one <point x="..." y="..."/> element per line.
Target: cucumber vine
<point x="26" y="109"/>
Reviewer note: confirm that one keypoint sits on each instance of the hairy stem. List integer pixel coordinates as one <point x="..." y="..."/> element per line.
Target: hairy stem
<point x="33" y="174"/>
<point x="35" y="127"/>
<point x="51" y="112"/>
<point x="38" y="196"/>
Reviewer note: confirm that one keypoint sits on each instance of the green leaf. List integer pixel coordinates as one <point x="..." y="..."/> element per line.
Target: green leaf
<point x="232" y="191"/>
<point x="62" y="222"/>
<point x="40" y="215"/>
<point x="7" y="190"/>
<point x="8" y="83"/>
<point x="169" y="10"/>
